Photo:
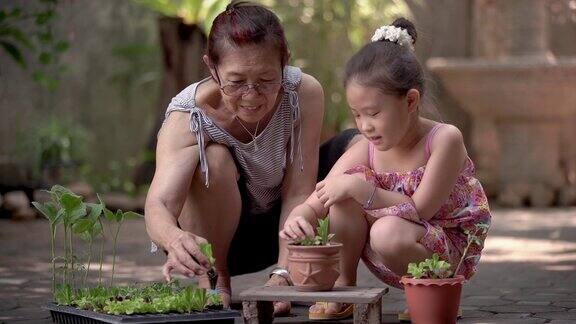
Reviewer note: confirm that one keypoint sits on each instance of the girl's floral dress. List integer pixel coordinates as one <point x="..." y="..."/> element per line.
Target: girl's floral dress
<point x="445" y="231"/>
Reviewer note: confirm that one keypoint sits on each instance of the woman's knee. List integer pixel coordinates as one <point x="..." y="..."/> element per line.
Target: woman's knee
<point x="221" y="165"/>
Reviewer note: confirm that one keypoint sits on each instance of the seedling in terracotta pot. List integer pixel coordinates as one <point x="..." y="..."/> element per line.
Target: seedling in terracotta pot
<point x="313" y="262"/>
<point x="323" y="235"/>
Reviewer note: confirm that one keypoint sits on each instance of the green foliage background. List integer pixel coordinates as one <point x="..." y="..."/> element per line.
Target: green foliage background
<point x="322" y="35"/>
<point x="95" y="68"/>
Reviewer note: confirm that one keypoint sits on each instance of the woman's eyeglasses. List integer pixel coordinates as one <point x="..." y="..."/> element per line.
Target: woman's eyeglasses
<point x="236" y="90"/>
<point x="241" y="89"/>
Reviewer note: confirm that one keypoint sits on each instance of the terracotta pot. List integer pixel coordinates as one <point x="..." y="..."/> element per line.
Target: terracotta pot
<point x="433" y="301"/>
<point x="314" y="268"/>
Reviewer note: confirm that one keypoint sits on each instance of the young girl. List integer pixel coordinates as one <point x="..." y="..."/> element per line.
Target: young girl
<point x="406" y="190"/>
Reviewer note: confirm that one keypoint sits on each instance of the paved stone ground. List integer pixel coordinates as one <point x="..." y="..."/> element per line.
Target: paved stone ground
<point x="527" y="273"/>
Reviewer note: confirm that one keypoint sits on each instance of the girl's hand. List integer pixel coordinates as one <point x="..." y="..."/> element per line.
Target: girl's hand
<point x="334" y="189"/>
<point x="296" y="228"/>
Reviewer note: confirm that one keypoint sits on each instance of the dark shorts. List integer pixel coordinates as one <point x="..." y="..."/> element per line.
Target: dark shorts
<point x="255" y="243"/>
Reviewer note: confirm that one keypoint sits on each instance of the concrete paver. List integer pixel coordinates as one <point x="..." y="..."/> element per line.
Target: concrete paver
<point x="526" y="275"/>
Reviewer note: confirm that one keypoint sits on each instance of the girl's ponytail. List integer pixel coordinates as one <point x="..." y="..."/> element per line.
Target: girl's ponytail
<point x="408" y="26"/>
<point x="388" y="62"/>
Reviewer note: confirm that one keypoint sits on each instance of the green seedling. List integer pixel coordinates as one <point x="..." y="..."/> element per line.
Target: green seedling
<point x="323" y="236"/>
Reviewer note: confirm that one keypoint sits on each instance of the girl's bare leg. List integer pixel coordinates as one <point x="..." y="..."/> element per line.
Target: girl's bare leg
<point x="396" y="243"/>
<point x="348" y="223"/>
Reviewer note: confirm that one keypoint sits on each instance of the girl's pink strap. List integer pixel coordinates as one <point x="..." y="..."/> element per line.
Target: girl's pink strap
<point x="429" y="138"/>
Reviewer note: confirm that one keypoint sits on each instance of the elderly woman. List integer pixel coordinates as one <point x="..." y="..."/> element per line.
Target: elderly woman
<point x="237" y="152"/>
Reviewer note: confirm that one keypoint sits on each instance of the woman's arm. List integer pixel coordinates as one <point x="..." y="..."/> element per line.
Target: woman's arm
<point x="298" y="183"/>
<point x="177" y="156"/>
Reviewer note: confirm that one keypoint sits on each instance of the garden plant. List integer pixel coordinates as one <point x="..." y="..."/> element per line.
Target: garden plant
<point x="67" y="212"/>
<point x="314" y="262"/>
<point x="323" y="235"/>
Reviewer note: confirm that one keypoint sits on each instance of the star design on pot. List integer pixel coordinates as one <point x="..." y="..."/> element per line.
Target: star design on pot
<point x="309" y="274"/>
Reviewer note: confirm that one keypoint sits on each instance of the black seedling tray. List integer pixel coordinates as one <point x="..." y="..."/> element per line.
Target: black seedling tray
<point x="72" y="315"/>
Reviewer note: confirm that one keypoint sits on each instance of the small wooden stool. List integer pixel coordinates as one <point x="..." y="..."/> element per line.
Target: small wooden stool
<point x="258" y="308"/>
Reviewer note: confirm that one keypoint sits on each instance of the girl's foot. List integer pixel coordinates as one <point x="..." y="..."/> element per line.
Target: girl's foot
<point x="330" y="311"/>
<point x="281" y="309"/>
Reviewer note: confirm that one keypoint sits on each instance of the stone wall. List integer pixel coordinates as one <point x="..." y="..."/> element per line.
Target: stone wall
<point x="446" y="30"/>
<point x="98" y="90"/>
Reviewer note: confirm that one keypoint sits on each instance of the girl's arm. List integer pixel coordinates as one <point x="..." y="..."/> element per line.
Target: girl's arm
<point x="363" y="191"/>
<point x="448" y="155"/>
<point x="356" y="155"/>
<point x="299" y="222"/>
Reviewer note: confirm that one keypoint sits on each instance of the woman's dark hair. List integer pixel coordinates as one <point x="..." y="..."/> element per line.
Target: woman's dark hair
<point x="388" y="66"/>
<point x="244" y="23"/>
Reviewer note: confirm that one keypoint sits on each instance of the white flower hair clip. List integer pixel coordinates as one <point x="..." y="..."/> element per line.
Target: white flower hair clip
<point x="393" y="34"/>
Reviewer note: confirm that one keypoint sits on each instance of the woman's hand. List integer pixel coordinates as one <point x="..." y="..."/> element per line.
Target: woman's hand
<point x="335" y="188"/>
<point x="185" y="257"/>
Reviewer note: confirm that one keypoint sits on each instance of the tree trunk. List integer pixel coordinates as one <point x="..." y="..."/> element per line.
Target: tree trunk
<point x="182" y="47"/>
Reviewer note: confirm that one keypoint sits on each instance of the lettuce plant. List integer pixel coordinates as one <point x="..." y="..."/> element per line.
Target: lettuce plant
<point x="206" y="249"/>
<point x="435" y="268"/>
<point x="213" y="299"/>
<point x="150" y="298"/>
